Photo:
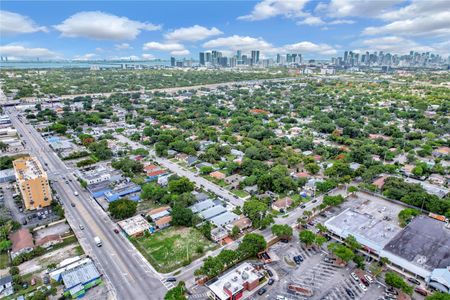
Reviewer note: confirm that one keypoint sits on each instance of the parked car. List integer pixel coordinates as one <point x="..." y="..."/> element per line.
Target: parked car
<point x="297" y="260"/>
<point x="302" y="206"/>
<point x="270" y="273"/>
<point x="414" y="280"/>
<point x="354" y="276"/>
<point x="350" y="293"/>
<point x="363" y="287"/>
<point x="262" y="291"/>
<point x="116" y="230"/>
<point x="368" y="278"/>
<point x="421" y="291"/>
<point x="271" y="281"/>
<point x="171" y="279"/>
<point x="72" y="204"/>
<point x="81" y="227"/>
<point x="284" y="241"/>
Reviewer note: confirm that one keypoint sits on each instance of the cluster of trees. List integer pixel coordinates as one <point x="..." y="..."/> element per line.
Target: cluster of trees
<point x="176" y="293"/>
<point x="129" y="167"/>
<point x="37" y="251"/>
<point x="250" y="246"/>
<point x="310" y="238"/>
<point x="413" y="194"/>
<point x="122" y="208"/>
<point x="6" y="226"/>
<point x="6" y="162"/>
<point x="396" y="281"/>
<point x="257" y="211"/>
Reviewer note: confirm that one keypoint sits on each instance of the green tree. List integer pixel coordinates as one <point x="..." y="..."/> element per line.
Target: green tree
<point x="341" y="251"/>
<point x="352" y="243"/>
<point x="251" y="245"/>
<point x="182" y="216"/>
<point x="307" y="237"/>
<point x="438" y="296"/>
<point x="176" y="293"/>
<point x="282" y="231"/>
<point x="312" y="168"/>
<point x="406" y="215"/>
<point x="320" y="240"/>
<point x="255" y="210"/>
<point x="235" y="231"/>
<point x="153" y="192"/>
<point x="122" y="208"/>
<point x="3" y="146"/>
<point x="205" y="229"/>
<point x="396" y="281"/>
<point x="180" y="186"/>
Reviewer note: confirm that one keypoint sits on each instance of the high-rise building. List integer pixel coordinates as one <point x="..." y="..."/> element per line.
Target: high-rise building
<point x="208" y="57"/>
<point x="33" y="183"/>
<point x="239" y="55"/>
<point x="255" y="57"/>
<point x="172" y="61"/>
<point x="202" y="58"/>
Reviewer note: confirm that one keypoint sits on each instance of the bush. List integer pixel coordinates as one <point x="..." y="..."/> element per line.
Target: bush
<point x="122" y="208"/>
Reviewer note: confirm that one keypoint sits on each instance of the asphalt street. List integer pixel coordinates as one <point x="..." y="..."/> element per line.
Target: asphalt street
<point x="127" y="274"/>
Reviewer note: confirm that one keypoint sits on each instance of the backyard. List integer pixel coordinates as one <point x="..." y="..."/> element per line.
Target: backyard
<point x="173" y="247"/>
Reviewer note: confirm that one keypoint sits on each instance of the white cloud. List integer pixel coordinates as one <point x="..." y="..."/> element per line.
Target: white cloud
<point x="13" y="23"/>
<point x="193" y="33"/>
<point x="123" y="46"/>
<point x="173" y="48"/>
<point x="180" y="52"/>
<point x="148" y="56"/>
<point x="163" y="46"/>
<point x="419" y="18"/>
<point x="87" y="56"/>
<point x="309" y="47"/>
<point x="237" y="42"/>
<point x="312" y="21"/>
<point x="271" y="8"/>
<point x="20" y="51"/>
<point x="360" y="8"/>
<point x="102" y="26"/>
<point x="394" y="44"/>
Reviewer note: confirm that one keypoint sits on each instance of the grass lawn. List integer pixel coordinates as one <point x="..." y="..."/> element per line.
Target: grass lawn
<point x="173" y="247"/>
<point x="4" y="261"/>
<point x="240" y="193"/>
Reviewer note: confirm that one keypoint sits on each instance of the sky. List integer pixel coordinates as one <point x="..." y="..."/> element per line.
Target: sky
<point x="88" y="30"/>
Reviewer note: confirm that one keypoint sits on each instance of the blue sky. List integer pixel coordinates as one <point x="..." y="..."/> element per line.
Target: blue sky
<point x="150" y="29"/>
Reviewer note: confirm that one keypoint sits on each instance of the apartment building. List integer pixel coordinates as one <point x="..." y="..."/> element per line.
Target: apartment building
<point x="33" y="183"/>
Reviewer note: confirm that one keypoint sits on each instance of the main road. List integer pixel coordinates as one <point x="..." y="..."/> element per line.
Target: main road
<point x="127" y="274"/>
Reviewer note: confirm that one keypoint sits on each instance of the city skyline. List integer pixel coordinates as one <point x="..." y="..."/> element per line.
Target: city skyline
<point x="148" y="30"/>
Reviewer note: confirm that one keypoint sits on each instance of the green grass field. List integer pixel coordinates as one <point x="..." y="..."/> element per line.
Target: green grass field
<point x="4" y="261"/>
<point x="173" y="247"/>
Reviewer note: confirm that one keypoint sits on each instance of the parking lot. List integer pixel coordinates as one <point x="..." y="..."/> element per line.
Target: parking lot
<point x="323" y="278"/>
<point x="14" y="205"/>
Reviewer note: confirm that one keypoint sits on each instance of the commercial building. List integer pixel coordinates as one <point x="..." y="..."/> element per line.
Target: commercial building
<point x="421" y="248"/>
<point x="236" y="284"/>
<point x="33" y="183"/>
<point x="7" y="175"/>
<point x="78" y="277"/>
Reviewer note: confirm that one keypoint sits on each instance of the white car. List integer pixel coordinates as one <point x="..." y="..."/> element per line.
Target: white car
<point x="363" y="287"/>
<point x="369" y="278"/>
<point x="354" y="276"/>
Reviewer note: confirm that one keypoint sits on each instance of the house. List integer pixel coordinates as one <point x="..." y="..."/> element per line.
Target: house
<point x="212" y="212"/>
<point x="379" y="182"/>
<point x="202" y="164"/>
<point x="49" y="240"/>
<point x="282" y="204"/>
<point x="154" y="175"/>
<point x="234" y="180"/>
<point x="201" y="206"/>
<point x="134" y="226"/>
<point x="441" y="151"/>
<point x="300" y="175"/>
<point x="158" y="213"/>
<point x="200" y="196"/>
<point x="218" y="234"/>
<point x="191" y="160"/>
<point x="6" y="287"/>
<point x="22" y="242"/>
<point x="242" y="223"/>
<point x="217" y="175"/>
<point x="253" y="189"/>
<point x="163" y="222"/>
<point x="181" y="156"/>
<point x="224" y="219"/>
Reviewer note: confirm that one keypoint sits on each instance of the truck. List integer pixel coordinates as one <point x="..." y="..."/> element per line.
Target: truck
<point x="98" y="241"/>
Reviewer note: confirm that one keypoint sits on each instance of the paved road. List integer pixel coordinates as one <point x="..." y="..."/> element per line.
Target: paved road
<point x="177" y="169"/>
<point x="128" y="274"/>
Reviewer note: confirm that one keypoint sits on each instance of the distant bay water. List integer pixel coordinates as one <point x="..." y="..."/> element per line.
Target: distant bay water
<point x="4" y="65"/>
